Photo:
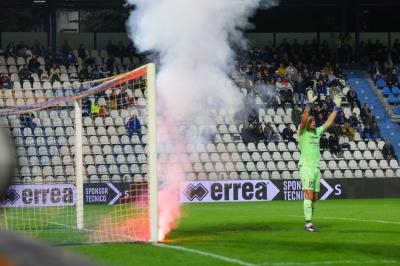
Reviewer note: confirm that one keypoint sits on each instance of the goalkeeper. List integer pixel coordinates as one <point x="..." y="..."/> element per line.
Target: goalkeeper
<point x="309" y="136"/>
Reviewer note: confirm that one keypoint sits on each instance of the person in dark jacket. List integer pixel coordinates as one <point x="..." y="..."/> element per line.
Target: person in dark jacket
<point x="133" y="126"/>
<point x="388" y="151"/>
<point x="352" y="98"/>
<point x="287" y="134"/>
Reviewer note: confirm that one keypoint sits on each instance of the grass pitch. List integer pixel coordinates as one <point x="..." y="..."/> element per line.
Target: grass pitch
<point x="353" y="232"/>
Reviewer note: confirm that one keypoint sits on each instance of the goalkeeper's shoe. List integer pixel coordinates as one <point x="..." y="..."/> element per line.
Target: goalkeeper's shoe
<point x="311" y="228"/>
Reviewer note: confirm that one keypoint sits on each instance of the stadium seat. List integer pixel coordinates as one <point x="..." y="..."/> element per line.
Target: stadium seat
<point x="275" y="175"/>
<point x="363" y="164"/>
<point x="240" y="167"/>
<point x="389" y="173"/>
<point x="358" y="173"/>
<point x="255" y="156"/>
<point x="271" y="165"/>
<point x="373" y="164"/>
<point x="244" y="176"/>
<point x="379" y="173"/>
<point x="369" y="173"/>
<point x="383" y="164"/>
<point x="337" y="174"/>
<point x="281" y="166"/>
<point x="332" y="165"/>
<point x="394" y="164"/>
<point x="342" y="165"/>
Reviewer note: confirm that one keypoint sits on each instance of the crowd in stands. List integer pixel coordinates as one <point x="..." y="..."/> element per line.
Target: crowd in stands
<point x="273" y="76"/>
<point x="80" y="64"/>
<point x="280" y="77"/>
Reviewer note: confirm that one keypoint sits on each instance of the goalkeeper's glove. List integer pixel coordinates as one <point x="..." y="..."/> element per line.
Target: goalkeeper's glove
<point x="338" y="101"/>
<point x="311" y="97"/>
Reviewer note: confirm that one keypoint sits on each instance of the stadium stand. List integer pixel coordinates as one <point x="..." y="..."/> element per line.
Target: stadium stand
<point x="274" y="81"/>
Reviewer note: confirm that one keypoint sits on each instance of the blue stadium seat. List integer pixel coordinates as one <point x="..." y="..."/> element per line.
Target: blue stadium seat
<point x="380" y="83"/>
<point x="396" y="90"/>
<point x="396" y="110"/>
<point x="392" y="99"/>
<point x="386" y="91"/>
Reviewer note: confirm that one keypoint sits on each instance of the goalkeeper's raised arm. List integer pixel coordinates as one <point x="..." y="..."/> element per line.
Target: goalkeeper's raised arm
<point x="332" y="116"/>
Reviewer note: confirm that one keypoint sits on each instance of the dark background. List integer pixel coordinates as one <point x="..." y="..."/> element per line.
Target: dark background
<point x="289" y="16"/>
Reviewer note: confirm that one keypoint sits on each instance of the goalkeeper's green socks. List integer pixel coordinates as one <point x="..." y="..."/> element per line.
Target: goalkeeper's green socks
<point x="313" y="208"/>
<point x="308" y="211"/>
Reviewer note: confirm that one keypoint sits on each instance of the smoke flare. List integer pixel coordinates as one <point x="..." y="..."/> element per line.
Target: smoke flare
<point x="193" y="41"/>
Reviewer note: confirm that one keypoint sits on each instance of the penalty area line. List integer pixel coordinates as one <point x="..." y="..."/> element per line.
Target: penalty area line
<point x="347" y="219"/>
<point x="206" y="254"/>
<point x="337" y="262"/>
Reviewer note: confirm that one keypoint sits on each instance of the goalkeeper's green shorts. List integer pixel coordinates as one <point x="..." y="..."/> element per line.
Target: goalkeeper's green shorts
<point x="310" y="177"/>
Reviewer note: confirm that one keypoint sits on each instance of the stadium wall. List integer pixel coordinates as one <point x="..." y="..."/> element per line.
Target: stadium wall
<point x="205" y="191"/>
<point x="100" y="40"/>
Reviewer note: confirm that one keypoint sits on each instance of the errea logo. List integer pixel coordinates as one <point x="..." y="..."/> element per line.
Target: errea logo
<point x="195" y="192"/>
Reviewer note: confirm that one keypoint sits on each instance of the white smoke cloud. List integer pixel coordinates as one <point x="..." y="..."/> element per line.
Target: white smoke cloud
<point x="193" y="40"/>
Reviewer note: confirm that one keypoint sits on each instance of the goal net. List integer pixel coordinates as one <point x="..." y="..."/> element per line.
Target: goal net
<point x="86" y="158"/>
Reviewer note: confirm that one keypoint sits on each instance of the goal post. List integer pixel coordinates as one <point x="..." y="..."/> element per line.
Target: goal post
<point x="152" y="150"/>
<point x="82" y="176"/>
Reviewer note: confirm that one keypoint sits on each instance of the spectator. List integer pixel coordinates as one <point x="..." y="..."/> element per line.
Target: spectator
<point x="334" y="145"/>
<point x="27" y="120"/>
<point x="247" y="134"/>
<point x="352" y="98"/>
<point x="34" y="65"/>
<point x="110" y="64"/>
<point x="259" y="132"/>
<point x="327" y="70"/>
<point x="325" y="111"/>
<point x="103" y="111"/>
<point x="348" y="131"/>
<point x="354" y="123"/>
<point x="320" y="120"/>
<point x="21" y="49"/>
<point x="299" y="90"/>
<point x="54" y="73"/>
<point x="336" y="130"/>
<point x="370" y="119"/>
<point x="296" y="115"/>
<point x="341" y="119"/>
<point x="25" y="74"/>
<point x="330" y="104"/>
<point x="374" y="131"/>
<point x="364" y="112"/>
<point x="286" y="96"/>
<point x="82" y="53"/>
<point x="281" y="71"/>
<point x="5" y="81"/>
<point x="269" y="133"/>
<point x="133" y="126"/>
<point x="11" y="50"/>
<point x="83" y="75"/>
<point x="38" y="49"/>
<point x="70" y="59"/>
<point x="287" y="134"/>
<point x="321" y="89"/>
<point x="388" y="151"/>
<point x="122" y="99"/>
<point x="95" y="108"/>
<point x="324" y="142"/>
<point x="392" y="78"/>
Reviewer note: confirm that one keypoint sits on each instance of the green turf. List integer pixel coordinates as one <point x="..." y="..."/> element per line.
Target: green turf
<point x="271" y="233"/>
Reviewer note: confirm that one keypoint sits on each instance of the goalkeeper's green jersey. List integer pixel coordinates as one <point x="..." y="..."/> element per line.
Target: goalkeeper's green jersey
<point x="309" y="147"/>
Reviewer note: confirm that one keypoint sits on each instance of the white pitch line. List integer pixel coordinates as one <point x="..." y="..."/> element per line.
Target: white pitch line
<point x="348" y="219"/>
<point x="341" y="262"/>
<point x="206" y="254"/>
